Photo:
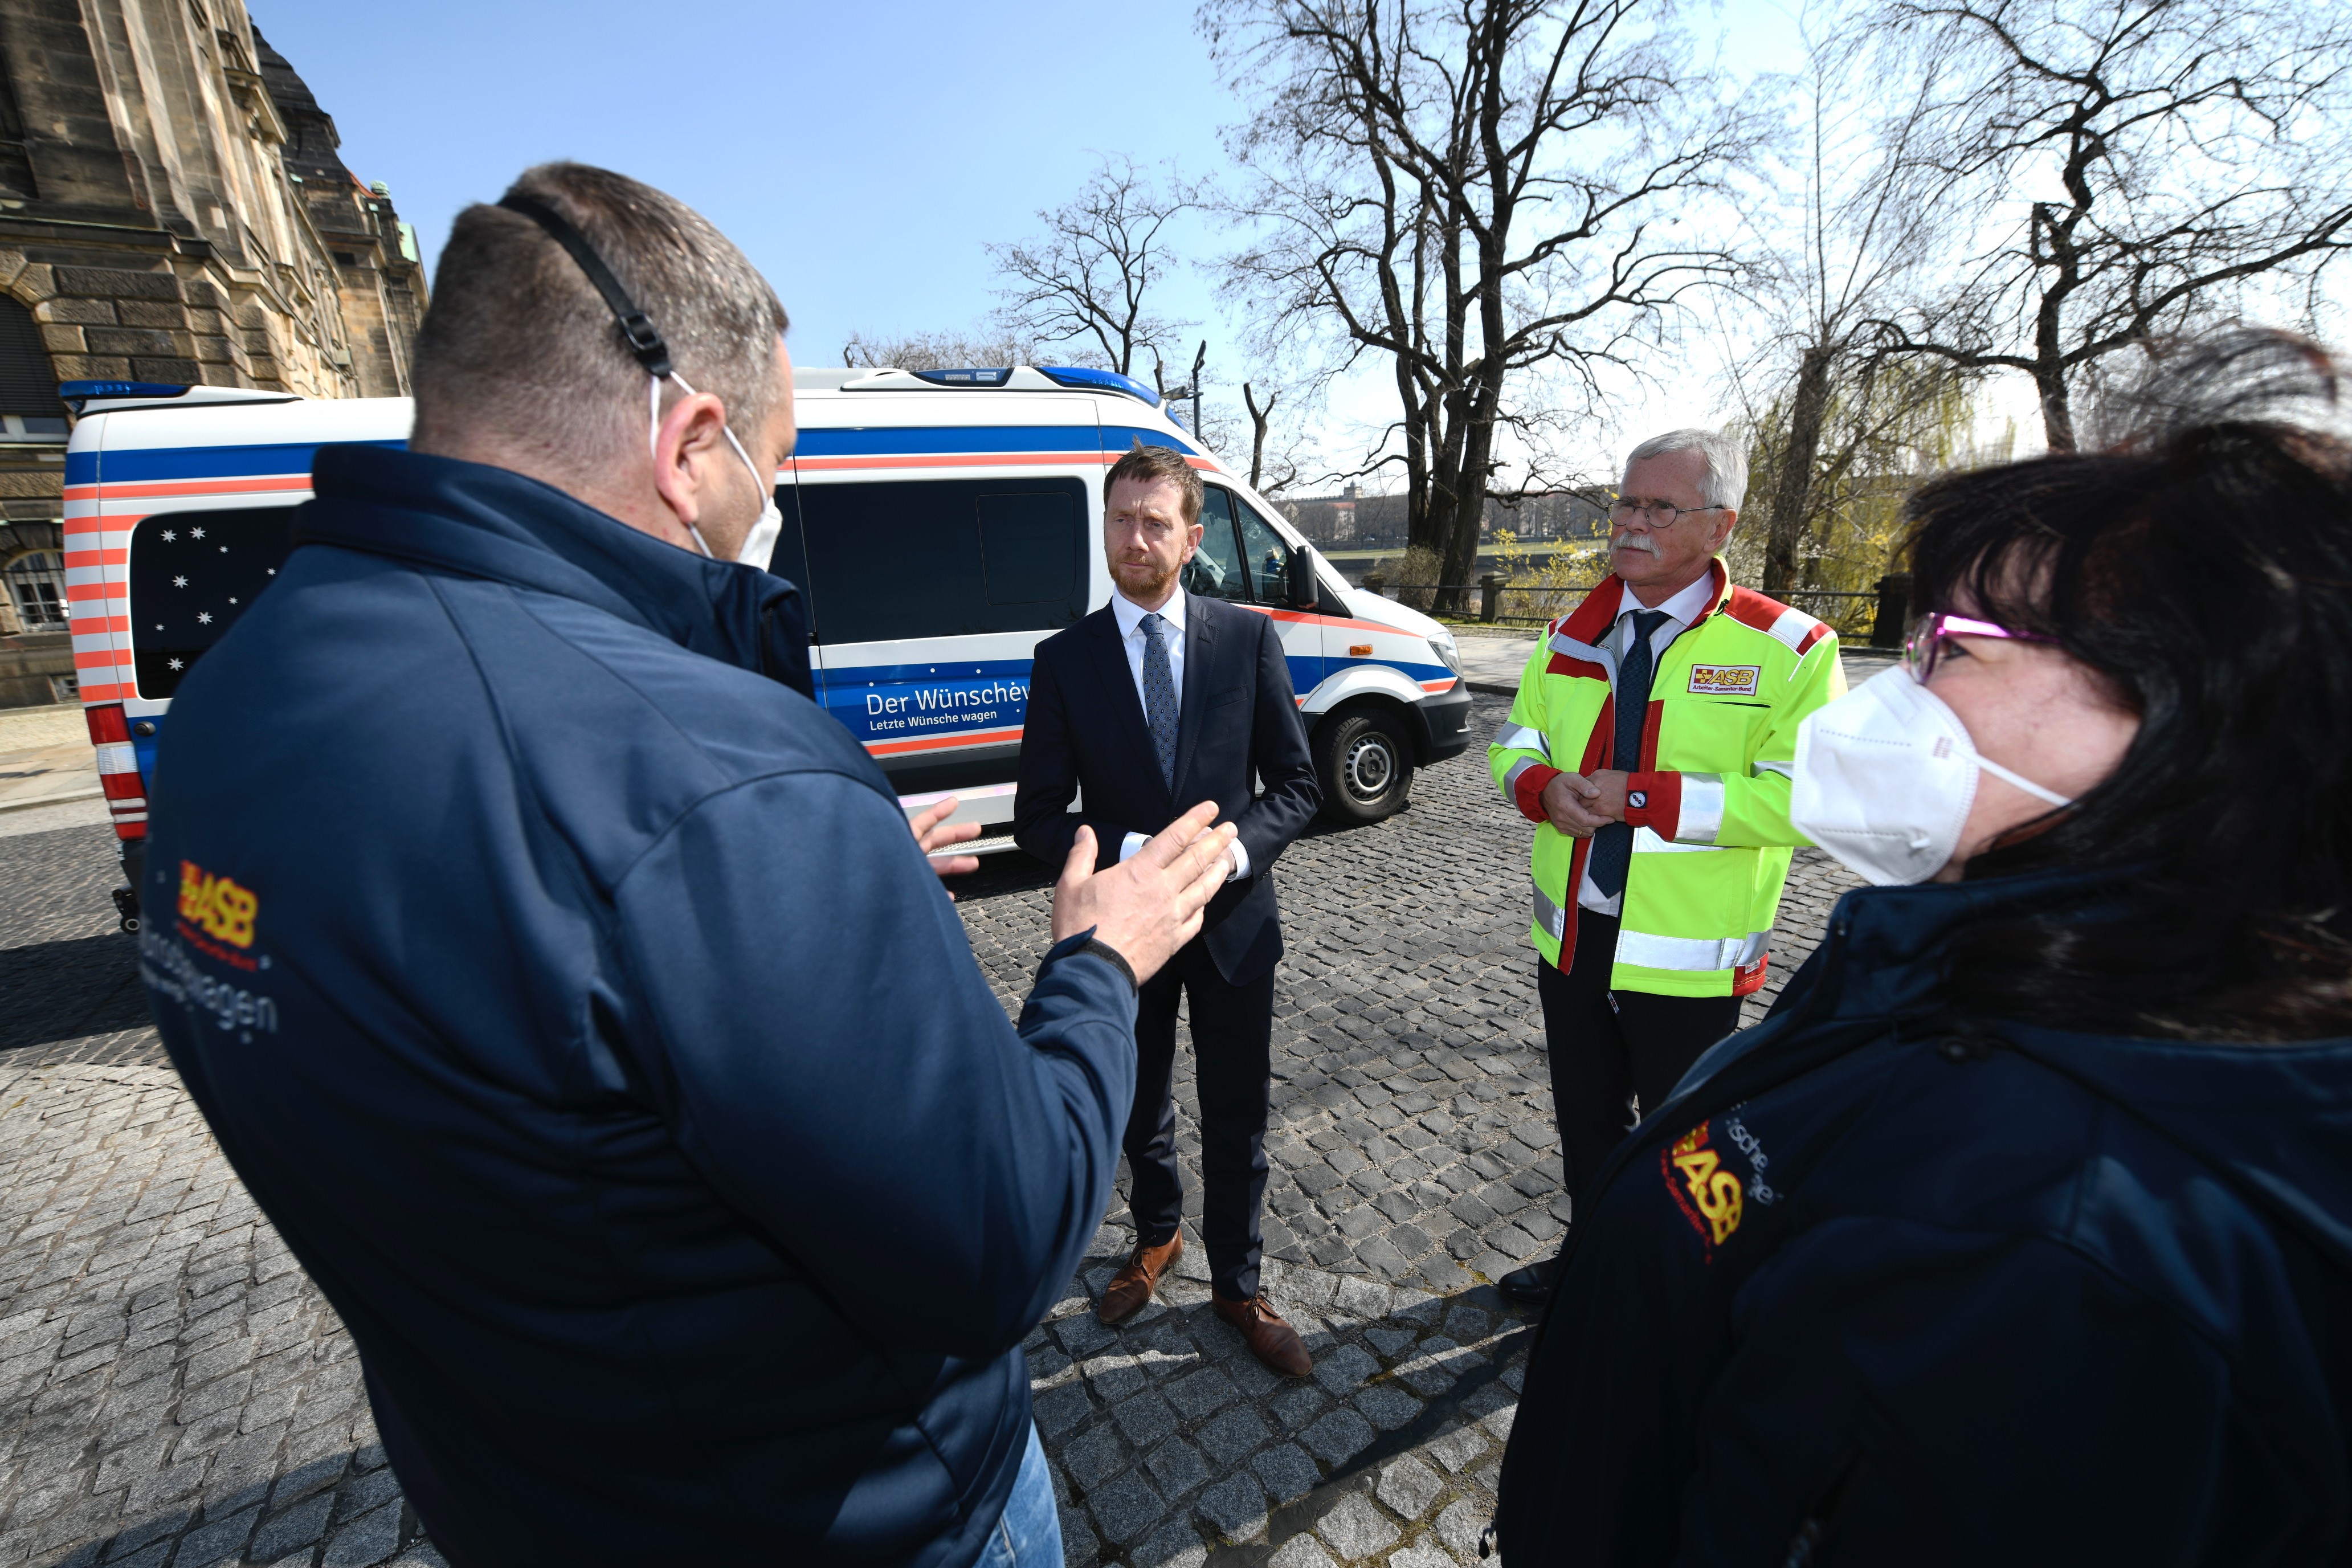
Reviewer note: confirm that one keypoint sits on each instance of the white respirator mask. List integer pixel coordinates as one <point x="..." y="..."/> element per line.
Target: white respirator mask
<point x="760" y="545"/>
<point x="1885" y="778"/>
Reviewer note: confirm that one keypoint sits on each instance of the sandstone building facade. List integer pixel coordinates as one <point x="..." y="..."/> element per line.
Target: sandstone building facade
<point x="173" y="208"/>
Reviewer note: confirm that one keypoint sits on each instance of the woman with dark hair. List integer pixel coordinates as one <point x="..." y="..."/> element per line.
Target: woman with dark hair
<point x="2020" y="1231"/>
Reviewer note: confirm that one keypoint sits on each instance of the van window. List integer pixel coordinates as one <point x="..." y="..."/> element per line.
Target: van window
<point x="1268" y="552"/>
<point x="1215" y="570"/>
<point x="937" y="558"/>
<point x="192" y="573"/>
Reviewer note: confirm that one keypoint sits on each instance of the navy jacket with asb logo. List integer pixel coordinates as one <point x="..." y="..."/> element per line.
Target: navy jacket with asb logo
<point x="576" y="1003"/>
<point x="1881" y="1285"/>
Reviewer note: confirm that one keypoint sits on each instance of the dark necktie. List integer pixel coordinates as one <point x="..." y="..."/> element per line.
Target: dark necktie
<point x="1613" y="847"/>
<point x="1160" y="706"/>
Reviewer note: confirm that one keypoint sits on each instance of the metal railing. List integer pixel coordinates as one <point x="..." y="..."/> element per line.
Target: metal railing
<point x="1881" y="614"/>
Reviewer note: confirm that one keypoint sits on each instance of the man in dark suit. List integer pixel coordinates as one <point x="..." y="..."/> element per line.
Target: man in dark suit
<point x="1158" y="698"/>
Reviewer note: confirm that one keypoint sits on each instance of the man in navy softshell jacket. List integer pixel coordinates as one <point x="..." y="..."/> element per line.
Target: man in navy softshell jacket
<point x="571" y="993"/>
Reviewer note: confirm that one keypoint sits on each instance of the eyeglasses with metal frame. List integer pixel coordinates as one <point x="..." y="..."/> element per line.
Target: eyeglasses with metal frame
<point x="1661" y="514"/>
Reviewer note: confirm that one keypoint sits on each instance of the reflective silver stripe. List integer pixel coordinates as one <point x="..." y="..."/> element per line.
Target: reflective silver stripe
<point x="1701" y="820"/>
<point x="1522" y="737"/>
<point x="1651" y="951"/>
<point x="1550" y="916"/>
<point x="1791" y="626"/>
<point x="1646" y="842"/>
<point x="1786" y="770"/>
<point x="1562" y="643"/>
<point x="1511" y="780"/>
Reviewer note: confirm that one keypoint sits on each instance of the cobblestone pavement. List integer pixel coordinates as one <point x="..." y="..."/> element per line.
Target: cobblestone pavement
<point x="175" y="1393"/>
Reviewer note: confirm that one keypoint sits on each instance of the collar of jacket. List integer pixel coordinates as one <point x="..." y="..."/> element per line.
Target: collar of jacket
<point x="494" y="523"/>
<point x="1881" y="955"/>
<point x="1591" y="621"/>
<point x="1877" y="968"/>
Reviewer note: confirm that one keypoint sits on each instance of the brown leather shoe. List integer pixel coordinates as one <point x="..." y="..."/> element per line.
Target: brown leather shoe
<point x="1132" y="1285"/>
<point x="1271" y="1339"/>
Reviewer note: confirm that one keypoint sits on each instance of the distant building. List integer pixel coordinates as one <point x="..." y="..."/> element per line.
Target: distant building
<point x="1351" y="521"/>
<point x="172" y="209"/>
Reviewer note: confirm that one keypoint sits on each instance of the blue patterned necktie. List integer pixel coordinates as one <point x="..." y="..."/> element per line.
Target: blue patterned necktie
<point x="1613" y="847"/>
<point x="1160" y="706"/>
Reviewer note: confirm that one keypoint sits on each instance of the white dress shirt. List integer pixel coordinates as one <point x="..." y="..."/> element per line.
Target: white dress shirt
<point x="1681" y="611"/>
<point x="1129" y="617"/>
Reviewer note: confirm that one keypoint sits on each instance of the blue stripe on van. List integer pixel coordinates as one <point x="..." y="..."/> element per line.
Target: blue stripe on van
<point x="1120" y="438"/>
<point x="146" y="463"/>
<point x="885" y="702"/>
<point x="879" y="703"/>
<point x="902" y="440"/>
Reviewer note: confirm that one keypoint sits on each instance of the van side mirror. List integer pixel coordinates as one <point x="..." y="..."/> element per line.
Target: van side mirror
<point x="1305" y="592"/>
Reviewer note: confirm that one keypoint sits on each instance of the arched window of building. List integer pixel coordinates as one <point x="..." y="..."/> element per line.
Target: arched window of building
<point x="37" y="585"/>
<point x="29" y="408"/>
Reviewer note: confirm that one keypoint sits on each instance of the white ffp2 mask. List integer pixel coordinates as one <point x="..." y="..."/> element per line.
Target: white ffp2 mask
<point x="760" y="545"/>
<point x="1885" y="778"/>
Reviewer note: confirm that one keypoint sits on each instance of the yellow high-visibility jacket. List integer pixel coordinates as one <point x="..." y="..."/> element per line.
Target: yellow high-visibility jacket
<point x="1709" y="796"/>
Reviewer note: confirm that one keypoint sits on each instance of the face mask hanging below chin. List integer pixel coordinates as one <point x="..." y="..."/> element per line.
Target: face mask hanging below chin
<point x="760" y="545"/>
<point x="1885" y="778"/>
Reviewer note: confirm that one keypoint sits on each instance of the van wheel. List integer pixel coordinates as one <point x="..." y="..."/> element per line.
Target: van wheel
<point x="1365" y="766"/>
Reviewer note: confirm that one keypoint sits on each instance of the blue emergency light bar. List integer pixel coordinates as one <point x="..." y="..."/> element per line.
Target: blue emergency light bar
<point x="1099" y="380"/>
<point x="74" y="393"/>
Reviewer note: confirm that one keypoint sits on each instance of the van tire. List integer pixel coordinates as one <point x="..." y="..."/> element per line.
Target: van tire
<point x="1364" y="763"/>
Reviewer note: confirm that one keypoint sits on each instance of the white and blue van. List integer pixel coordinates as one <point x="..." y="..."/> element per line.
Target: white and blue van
<point x="940" y="524"/>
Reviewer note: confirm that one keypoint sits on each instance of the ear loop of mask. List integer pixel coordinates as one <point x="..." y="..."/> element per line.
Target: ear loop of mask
<point x="1920" y="692"/>
<point x="653" y="442"/>
<point x="2028" y="785"/>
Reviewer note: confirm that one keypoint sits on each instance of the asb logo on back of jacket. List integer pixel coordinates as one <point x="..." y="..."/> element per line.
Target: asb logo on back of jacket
<point x="1710" y="1196"/>
<point x="216" y="904"/>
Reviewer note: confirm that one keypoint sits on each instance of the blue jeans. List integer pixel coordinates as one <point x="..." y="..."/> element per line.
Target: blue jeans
<point x="1030" y="1533"/>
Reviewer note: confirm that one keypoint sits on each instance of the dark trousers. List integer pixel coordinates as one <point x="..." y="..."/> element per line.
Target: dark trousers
<point x="1233" y="1038"/>
<point x="1610" y="1047"/>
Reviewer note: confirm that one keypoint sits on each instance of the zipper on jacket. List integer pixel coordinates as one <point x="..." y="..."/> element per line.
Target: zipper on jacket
<point x="1821" y="1519"/>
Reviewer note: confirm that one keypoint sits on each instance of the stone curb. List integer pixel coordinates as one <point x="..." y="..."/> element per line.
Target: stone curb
<point x="67" y="799"/>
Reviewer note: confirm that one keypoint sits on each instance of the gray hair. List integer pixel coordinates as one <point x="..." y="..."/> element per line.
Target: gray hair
<point x="1727" y="462"/>
<point x="518" y="345"/>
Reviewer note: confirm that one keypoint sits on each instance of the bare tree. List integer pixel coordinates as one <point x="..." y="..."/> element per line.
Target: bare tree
<point x="2139" y="167"/>
<point x="1884" y="425"/>
<point x="1261" y="416"/>
<point x="1862" y="218"/>
<point x="1092" y="277"/>
<point x="1473" y="191"/>
<point x="938" y="350"/>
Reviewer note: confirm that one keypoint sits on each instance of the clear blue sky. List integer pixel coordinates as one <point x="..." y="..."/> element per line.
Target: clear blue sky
<point x="861" y="154"/>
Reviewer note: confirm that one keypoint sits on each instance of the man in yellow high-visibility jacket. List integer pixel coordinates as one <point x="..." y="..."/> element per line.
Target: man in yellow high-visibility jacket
<point x="1652" y="742"/>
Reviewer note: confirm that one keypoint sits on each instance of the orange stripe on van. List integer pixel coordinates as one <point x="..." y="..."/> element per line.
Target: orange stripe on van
<point x="941" y="743"/>
<point x="158" y="490"/>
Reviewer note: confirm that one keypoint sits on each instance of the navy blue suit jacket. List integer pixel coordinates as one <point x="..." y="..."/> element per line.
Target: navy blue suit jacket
<point x="1239" y="723"/>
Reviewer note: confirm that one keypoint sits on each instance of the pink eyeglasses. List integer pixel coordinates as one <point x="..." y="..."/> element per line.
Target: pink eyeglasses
<point x="1930" y="634"/>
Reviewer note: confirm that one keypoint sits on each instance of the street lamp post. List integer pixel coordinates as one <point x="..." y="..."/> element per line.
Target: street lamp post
<point x="1178" y="393"/>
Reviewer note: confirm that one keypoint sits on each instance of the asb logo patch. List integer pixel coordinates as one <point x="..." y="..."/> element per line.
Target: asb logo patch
<point x="1724" y="679"/>
<point x="216" y="906"/>
<point x="1709" y="1196"/>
